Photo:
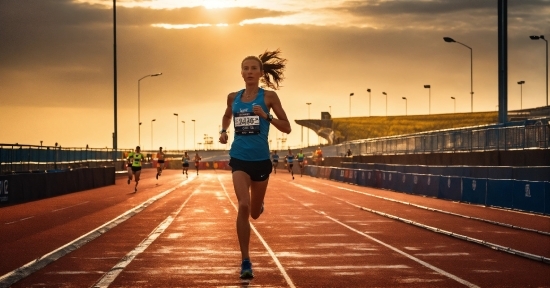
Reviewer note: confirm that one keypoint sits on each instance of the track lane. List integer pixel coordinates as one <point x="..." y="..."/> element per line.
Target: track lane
<point x="315" y="250"/>
<point x="471" y="261"/>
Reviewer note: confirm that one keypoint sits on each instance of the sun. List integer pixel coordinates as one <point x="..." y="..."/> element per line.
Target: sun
<point x="217" y="4"/>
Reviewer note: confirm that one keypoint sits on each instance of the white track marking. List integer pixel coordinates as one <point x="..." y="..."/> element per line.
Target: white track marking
<point x="110" y="276"/>
<point x="23" y="219"/>
<point x="425" y="264"/>
<point x="70" y="206"/>
<point x="450" y="213"/>
<point x="271" y="253"/>
<point x="12" y="277"/>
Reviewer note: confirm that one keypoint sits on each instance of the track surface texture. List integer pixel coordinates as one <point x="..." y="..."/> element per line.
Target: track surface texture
<point x="180" y="232"/>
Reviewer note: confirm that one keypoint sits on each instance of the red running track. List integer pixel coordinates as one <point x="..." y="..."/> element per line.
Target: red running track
<point x="178" y="232"/>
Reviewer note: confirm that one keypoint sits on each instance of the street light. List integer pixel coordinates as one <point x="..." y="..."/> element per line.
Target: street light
<point x="542" y="38"/>
<point x="521" y="94"/>
<point x="152" y="147"/>
<point x="194" y="147"/>
<point x="350" y="94"/>
<point x="450" y="40"/>
<point x="177" y="132"/>
<point x="139" y="118"/>
<point x="386" y="103"/>
<point x="368" y="90"/>
<point x="183" y="134"/>
<point x="308" y="117"/>
<point x="405" y="98"/>
<point x="429" y="98"/>
<point x="330" y="110"/>
<point x="454" y="100"/>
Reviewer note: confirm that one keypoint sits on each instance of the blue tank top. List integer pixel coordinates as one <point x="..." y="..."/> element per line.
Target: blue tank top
<point x="290" y="159"/>
<point x="275" y="157"/>
<point x="250" y="142"/>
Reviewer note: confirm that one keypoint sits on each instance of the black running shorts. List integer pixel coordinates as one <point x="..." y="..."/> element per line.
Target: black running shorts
<point x="257" y="170"/>
<point x="185" y="165"/>
<point x="136" y="168"/>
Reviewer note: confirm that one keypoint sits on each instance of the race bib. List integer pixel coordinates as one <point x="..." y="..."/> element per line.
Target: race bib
<point x="247" y="123"/>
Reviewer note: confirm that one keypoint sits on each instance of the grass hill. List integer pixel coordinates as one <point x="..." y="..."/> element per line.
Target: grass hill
<point x="354" y="128"/>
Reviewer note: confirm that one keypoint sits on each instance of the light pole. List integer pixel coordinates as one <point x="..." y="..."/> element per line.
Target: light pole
<point x="450" y="40"/>
<point x="350" y="94"/>
<point x="429" y="98"/>
<point x="152" y="147"/>
<point x="368" y="90"/>
<point x="330" y="110"/>
<point x="405" y="98"/>
<point x="454" y="100"/>
<point x="183" y="134"/>
<point x="542" y="38"/>
<point x="521" y="94"/>
<point x="309" y="117"/>
<point x="194" y="147"/>
<point x="139" y="118"/>
<point x="386" y="103"/>
<point x="177" y="132"/>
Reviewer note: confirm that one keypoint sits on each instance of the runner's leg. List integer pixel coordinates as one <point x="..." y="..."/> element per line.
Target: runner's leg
<point x="241" y="184"/>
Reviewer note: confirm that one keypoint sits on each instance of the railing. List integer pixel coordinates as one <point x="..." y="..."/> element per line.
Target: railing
<point x="14" y="157"/>
<point x="457" y="140"/>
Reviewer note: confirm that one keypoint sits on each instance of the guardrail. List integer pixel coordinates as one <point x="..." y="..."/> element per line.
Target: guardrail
<point x="15" y="157"/>
<point x="455" y="140"/>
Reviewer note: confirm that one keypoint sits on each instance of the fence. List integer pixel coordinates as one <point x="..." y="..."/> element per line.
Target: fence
<point x="15" y="158"/>
<point x="456" y="140"/>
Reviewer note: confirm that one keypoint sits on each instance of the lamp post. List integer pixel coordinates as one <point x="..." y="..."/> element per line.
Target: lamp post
<point x="350" y="94"/>
<point x="309" y="117"/>
<point x="405" y="98"/>
<point x="386" y="103"/>
<point x="183" y="134"/>
<point x="139" y="108"/>
<point x="521" y="94"/>
<point x="429" y="98"/>
<point x="194" y="147"/>
<point x="330" y="110"/>
<point x="542" y="38"/>
<point x="454" y="100"/>
<point x="177" y="132"/>
<point x="368" y="90"/>
<point x="152" y="147"/>
<point x="451" y="40"/>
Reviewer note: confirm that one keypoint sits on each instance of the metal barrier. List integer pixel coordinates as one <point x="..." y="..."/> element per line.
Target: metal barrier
<point x="484" y="138"/>
<point x="16" y="158"/>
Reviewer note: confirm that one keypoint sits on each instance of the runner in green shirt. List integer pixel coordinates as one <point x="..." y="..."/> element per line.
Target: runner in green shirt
<point x="136" y="158"/>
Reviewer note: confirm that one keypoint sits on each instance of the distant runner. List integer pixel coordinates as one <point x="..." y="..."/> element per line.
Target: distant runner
<point x="290" y="162"/>
<point x="136" y="158"/>
<point x="197" y="159"/>
<point x="185" y="163"/>
<point x="275" y="160"/>
<point x="300" y="158"/>
<point x="160" y="160"/>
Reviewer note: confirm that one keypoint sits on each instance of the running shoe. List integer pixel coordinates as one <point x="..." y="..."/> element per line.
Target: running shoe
<point x="246" y="270"/>
<point x="129" y="181"/>
<point x="157" y="176"/>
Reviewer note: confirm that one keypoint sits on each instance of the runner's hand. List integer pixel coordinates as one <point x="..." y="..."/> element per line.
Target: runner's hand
<point x="257" y="109"/>
<point x="223" y="138"/>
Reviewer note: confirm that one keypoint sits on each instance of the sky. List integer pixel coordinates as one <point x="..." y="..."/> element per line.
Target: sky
<point x="57" y="75"/>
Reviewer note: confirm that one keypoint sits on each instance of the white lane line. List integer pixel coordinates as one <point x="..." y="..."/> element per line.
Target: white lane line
<point x="12" y="277"/>
<point x="451" y="213"/>
<point x="22" y="219"/>
<point x="70" y="206"/>
<point x="271" y="253"/>
<point x="111" y="275"/>
<point x="494" y="246"/>
<point x="425" y="264"/>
